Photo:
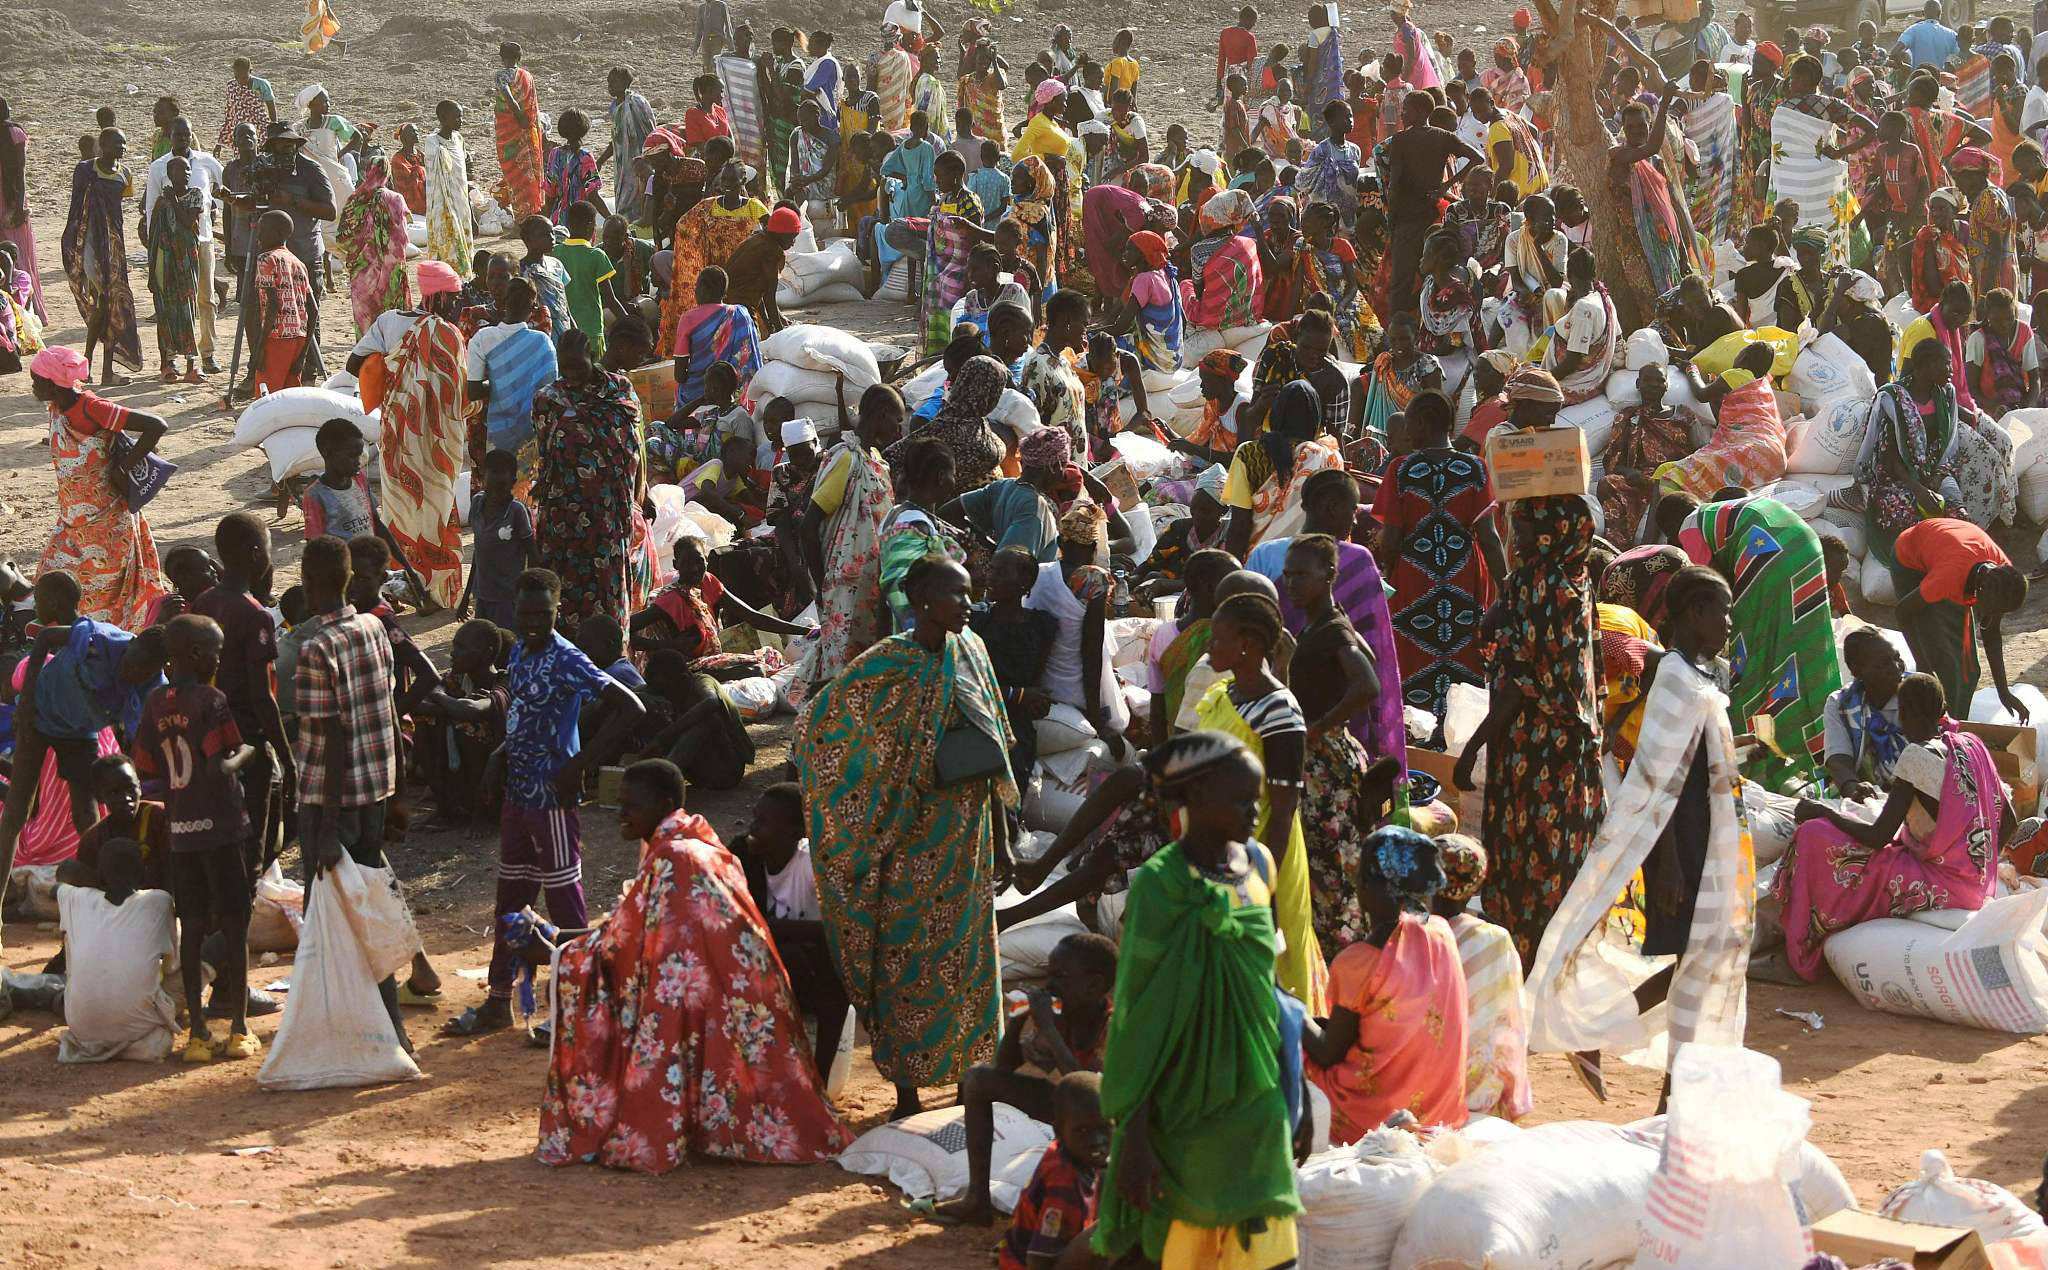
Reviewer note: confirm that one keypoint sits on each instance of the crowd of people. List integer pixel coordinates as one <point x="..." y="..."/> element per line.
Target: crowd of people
<point x="1290" y="651"/>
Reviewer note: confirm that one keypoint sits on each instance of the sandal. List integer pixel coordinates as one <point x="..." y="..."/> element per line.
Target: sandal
<point x="408" y="995"/>
<point x="1588" y="1072"/>
<point x="471" y="1023"/>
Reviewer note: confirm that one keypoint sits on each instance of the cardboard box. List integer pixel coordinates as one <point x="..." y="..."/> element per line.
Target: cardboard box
<point x="1533" y="462"/>
<point x="655" y="384"/>
<point x="1861" y="1238"/>
<point x="2012" y="750"/>
<point x="1116" y="476"/>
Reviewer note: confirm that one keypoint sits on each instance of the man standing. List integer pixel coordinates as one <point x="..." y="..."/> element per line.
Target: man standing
<point x="250" y="101"/>
<point x="204" y="175"/>
<point x="1416" y="159"/>
<point x="1927" y="42"/>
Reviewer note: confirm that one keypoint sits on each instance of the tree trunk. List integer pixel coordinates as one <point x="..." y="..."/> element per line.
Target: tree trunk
<point x="1582" y="149"/>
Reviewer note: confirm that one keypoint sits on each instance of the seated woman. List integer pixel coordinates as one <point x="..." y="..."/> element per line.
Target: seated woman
<point x="1216" y="437"/>
<point x="913" y="529"/>
<point x="1861" y="721"/>
<point x="1149" y="319"/>
<point x="1645" y="438"/>
<point x="1202" y="529"/>
<point x="1228" y="285"/>
<point x="1075" y="589"/>
<point x="685" y="617"/>
<point x="712" y="331"/>
<point x="1496" y="1018"/>
<point x="1935" y="844"/>
<point x="1395" y="1037"/>
<point x="646" y="1065"/>
<point x="1393" y="379"/>
<point x="1748" y="445"/>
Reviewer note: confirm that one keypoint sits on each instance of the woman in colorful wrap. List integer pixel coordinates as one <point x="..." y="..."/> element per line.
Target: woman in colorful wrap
<point x="449" y="220"/>
<point x="1496" y="1010"/>
<point x="1033" y="187"/>
<point x="677" y="1033"/>
<point x="1110" y="214"/>
<point x="1991" y="220"/>
<point x="586" y="489"/>
<point x="1663" y="223"/>
<point x="1267" y="473"/>
<point x="14" y="225"/>
<point x="1331" y="265"/>
<point x="1256" y="709"/>
<point x="962" y="422"/>
<point x="95" y="257"/>
<point x="1939" y="254"/>
<point x="1149" y="321"/>
<point x="841" y="533"/>
<point x="712" y="331"/>
<point x="1451" y="292"/>
<point x="1346" y="791"/>
<point x="956" y="228"/>
<point x="1907" y="463"/>
<point x="1542" y="730"/>
<point x="1395" y="1040"/>
<point x="519" y="140"/>
<point x="1760" y="93"/>
<point x="372" y="237"/>
<point x="420" y="449"/>
<point x="707" y="235"/>
<point x="1935" y="844"/>
<point x="1228" y="280"/>
<point x="2001" y="362"/>
<point x="98" y="540"/>
<point x="1782" y="663"/>
<point x="1747" y="449"/>
<point x="1676" y="831"/>
<point x="1393" y="378"/>
<point x="1646" y="436"/>
<point x="1197" y="1070"/>
<point x="983" y="76"/>
<point x="914" y="529"/>
<point x="905" y="771"/>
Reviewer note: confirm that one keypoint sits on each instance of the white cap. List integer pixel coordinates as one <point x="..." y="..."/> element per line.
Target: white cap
<point x="799" y="432"/>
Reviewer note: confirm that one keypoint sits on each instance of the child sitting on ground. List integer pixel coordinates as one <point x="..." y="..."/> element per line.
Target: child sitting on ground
<point x="1053" y="1210"/>
<point x="117" y="933"/>
<point x="188" y="736"/>
<point x="1497" y="1025"/>
<point x="117" y="787"/>
<point x="705" y="738"/>
<point x="1052" y="1031"/>
<point x="777" y="858"/>
<point x="501" y="529"/>
<point x="339" y="502"/>
<point x="463" y="724"/>
<point x="685" y="617"/>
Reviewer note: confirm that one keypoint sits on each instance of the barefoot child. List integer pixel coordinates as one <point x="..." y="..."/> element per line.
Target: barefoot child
<point x="118" y="934"/>
<point x="188" y="737"/>
<point x="284" y="298"/>
<point x="541" y="768"/>
<point x="174" y="245"/>
<point x="1052" y="1031"/>
<point x="777" y="858"/>
<point x="501" y="529"/>
<point x="470" y="707"/>
<point x="1053" y="1210"/>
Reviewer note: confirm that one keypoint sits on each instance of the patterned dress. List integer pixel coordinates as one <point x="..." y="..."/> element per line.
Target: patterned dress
<point x="99" y="541"/>
<point x="583" y="493"/>
<point x="96" y="258"/>
<point x="632" y="119"/>
<point x="571" y="178"/>
<point x="174" y="272"/>
<point x="1544" y="799"/>
<point x="676" y="1029"/>
<point x="421" y="449"/>
<point x="519" y="141"/>
<point x="372" y="238"/>
<point x="1434" y="499"/>
<point x="448" y="215"/>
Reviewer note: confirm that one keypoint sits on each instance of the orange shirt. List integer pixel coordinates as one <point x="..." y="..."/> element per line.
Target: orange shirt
<point x="1410" y="1053"/>
<point x="1944" y="551"/>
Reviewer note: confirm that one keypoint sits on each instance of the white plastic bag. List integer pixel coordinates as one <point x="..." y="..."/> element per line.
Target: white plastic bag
<point x="1645" y="348"/>
<point x="1878" y="587"/>
<point x="825" y="348"/>
<point x="926" y="1155"/>
<point x="1063" y="728"/>
<point x="1828" y="368"/>
<point x="920" y="387"/>
<point x="2029" y="431"/>
<point x="1015" y="412"/>
<point x="1355" y="1199"/>
<point x="1939" y="1198"/>
<point x="300" y="408"/>
<point x="1146" y="458"/>
<point x="753" y="697"/>
<point x="1988" y="974"/>
<point x="2034" y="493"/>
<point x="335" y="1032"/>
<point x="279" y="912"/>
<point x="1720" y="1198"/>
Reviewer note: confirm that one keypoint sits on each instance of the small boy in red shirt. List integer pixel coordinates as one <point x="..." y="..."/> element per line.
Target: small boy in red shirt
<point x="1053" y="1210"/>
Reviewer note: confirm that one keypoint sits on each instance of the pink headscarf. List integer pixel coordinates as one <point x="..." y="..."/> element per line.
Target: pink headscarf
<point x="64" y="367"/>
<point x="436" y="278"/>
<point x="1047" y="90"/>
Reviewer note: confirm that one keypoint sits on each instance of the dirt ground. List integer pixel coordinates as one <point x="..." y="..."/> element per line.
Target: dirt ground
<point x="131" y="1164"/>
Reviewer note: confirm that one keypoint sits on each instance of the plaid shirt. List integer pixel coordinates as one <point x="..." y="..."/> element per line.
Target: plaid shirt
<point x="346" y="671"/>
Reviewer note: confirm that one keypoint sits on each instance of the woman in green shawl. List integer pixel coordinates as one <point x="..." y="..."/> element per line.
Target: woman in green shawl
<point x="1201" y="1166"/>
<point x="914" y="529"/>
<point x="1782" y="660"/>
<point x="906" y="825"/>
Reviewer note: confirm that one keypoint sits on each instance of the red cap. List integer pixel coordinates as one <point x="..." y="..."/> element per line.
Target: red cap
<point x="783" y="220"/>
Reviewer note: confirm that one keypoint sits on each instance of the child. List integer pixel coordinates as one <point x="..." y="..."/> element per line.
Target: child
<point x="284" y="296"/>
<point x="1106" y="374"/>
<point x="465" y="723"/>
<point x="501" y="531"/>
<point x="339" y="503"/>
<point x="777" y="858"/>
<point x="706" y="421"/>
<point x="1123" y="70"/>
<point x="989" y="182"/>
<point x="1497" y="1023"/>
<point x="599" y="638"/>
<point x="191" y="571"/>
<point x="1052" y="1031"/>
<point x="727" y="485"/>
<point x="571" y="172"/>
<point x="188" y="737"/>
<point x="173" y="242"/>
<point x="706" y="119"/>
<point x="1395" y="1036"/>
<point x="118" y="934"/>
<point x="1834" y="554"/>
<point x="1237" y="120"/>
<point x="117" y="787"/>
<point x="590" y="270"/>
<point x="705" y="738"/>
<point x="1053" y="1210"/>
<point x="686" y="616"/>
<point x="542" y="768"/>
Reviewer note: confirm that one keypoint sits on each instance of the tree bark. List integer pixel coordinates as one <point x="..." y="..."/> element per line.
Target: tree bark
<point x="1583" y="146"/>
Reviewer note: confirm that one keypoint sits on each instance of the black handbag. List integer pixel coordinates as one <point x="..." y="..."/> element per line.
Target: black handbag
<point x="966" y="753"/>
